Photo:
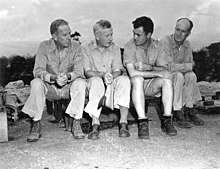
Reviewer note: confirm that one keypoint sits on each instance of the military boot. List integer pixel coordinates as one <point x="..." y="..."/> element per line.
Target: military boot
<point x="143" y="129"/>
<point x="35" y="134"/>
<point x="94" y="134"/>
<point x="180" y="121"/>
<point x="167" y="126"/>
<point x="77" y="130"/>
<point x="190" y="115"/>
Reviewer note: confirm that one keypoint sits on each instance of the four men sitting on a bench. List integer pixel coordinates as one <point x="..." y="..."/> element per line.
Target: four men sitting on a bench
<point x="65" y="70"/>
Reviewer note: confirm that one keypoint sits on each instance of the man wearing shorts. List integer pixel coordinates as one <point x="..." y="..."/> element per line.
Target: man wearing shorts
<point x="146" y="68"/>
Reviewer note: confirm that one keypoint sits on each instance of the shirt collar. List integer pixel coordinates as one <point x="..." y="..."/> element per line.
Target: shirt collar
<point x="94" y="45"/>
<point x="53" y="47"/>
<point x="152" y="44"/>
<point x="174" y="45"/>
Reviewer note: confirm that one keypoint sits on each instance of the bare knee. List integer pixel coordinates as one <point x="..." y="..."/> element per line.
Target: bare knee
<point x="137" y="80"/>
<point x="166" y="83"/>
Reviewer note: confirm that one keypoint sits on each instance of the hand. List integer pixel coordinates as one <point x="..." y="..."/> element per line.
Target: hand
<point x="165" y="74"/>
<point x="61" y="79"/>
<point x="108" y="78"/>
<point x="140" y="66"/>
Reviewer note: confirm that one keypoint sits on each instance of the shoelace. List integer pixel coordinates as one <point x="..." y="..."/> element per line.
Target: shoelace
<point x="180" y="116"/>
<point x="77" y="126"/>
<point x="143" y="124"/>
<point x="35" y="127"/>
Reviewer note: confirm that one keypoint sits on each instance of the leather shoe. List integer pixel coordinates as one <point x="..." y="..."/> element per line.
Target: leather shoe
<point x="94" y="135"/>
<point x="35" y="133"/>
<point x="123" y="130"/>
<point x="190" y="115"/>
<point x="143" y="129"/>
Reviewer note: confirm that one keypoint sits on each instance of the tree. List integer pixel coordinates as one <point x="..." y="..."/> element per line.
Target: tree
<point x="3" y="65"/>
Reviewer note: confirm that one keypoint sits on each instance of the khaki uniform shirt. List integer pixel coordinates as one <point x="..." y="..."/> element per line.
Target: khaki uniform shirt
<point x="177" y="55"/>
<point x="48" y="62"/>
<point x="154" y="55"/>
<point x="102" y="60"/>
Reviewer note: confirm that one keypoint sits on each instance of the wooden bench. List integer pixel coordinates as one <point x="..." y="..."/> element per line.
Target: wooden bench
<point x="58" y="109"/>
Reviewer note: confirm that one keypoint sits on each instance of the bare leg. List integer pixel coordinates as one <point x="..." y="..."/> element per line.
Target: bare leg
<point x="138" y="96"/>
<point x="167" y="96"/>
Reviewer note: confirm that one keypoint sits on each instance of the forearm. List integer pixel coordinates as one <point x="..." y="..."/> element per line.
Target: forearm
<point x="144" y="74"/>
<point x="42" y="74"/>
<point x="91" y="73"/>
<point x="116" y="73"/>
<point x="181" y="67"/>
<point x="155" y="68"/>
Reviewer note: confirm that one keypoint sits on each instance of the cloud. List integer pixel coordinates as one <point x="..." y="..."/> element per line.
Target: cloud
<point x="29" y="20"/>
<point x="202" y="9"/>
<point x="4" y="13"/>
<point x="36" y="2"/>
<point x="81" y="20"/>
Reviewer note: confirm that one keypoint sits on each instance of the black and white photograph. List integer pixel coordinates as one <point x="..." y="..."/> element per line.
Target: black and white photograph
<point x="109" y="84"/>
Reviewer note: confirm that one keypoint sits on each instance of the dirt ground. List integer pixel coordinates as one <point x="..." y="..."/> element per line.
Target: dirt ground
<point x="195" y="148"/>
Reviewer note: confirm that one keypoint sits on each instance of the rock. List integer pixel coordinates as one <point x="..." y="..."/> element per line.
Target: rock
<point x="15" y="85"/>
<point x="208" y="89"/>
<point x="21" y="94"/>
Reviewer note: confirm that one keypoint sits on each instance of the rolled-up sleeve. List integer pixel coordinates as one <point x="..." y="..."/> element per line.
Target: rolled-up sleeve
<point x="117" y="61"/>
<point x="129" y="55"/>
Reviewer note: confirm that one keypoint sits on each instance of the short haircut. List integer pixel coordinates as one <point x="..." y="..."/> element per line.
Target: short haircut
<point x="146" y="23"/>
<point x="190" y="22"/>
<point x="102" y="24"/>
<point x="55" y="25"/>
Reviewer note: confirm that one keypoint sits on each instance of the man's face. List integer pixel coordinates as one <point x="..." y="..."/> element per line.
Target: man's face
<point x="181" y="31"/>
<point x="139" y="36"/>
<point x="62" y="37"/>
<point x="105" y="37"/>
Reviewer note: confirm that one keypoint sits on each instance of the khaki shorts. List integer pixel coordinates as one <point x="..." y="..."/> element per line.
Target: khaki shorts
<point x="150" y="89"/>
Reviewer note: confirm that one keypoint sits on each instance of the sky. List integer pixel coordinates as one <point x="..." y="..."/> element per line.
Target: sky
<point x="25" y="23"/>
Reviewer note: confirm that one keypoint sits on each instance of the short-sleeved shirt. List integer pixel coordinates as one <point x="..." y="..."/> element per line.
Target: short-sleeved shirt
<point x="178" y="55"/>
<point x="102" y="60"/>
<point x="48" y="61"/>
<point x="154" y="55"/>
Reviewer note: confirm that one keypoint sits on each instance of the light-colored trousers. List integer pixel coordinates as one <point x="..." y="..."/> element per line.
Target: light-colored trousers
<point x="96" y="90"/>
<point x="40" y="90"/>
<point x="186" y="91"/>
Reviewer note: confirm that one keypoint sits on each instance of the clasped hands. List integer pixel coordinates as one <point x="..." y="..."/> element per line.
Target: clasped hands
<point x="62" y="79"/>
<point x="108" y="78"/>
